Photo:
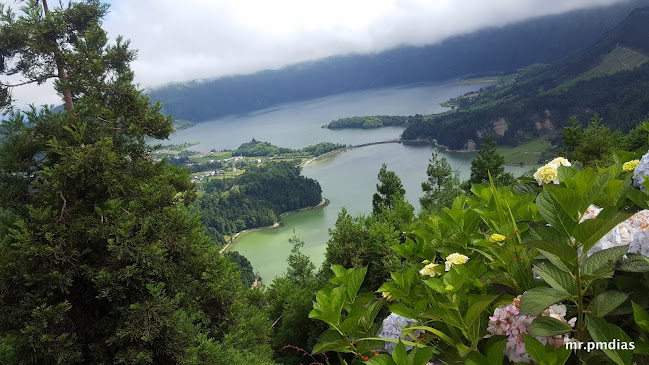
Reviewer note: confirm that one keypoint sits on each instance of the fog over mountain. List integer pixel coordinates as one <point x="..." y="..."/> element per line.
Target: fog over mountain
<point x="544" y="39"/>
<point x="201" y="39"/>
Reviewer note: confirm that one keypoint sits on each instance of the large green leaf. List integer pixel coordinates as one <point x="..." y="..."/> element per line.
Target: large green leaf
<point x="421" y="356"/>
<point x="634" y="263"/>
<point x="353" y="281"/>
<point x="495" y="352"/>
<point x="601" y="331"/>
<point x="565" y="252"/>
<point x="535" y="301"/>
<point x="547" y="326"/>
<point x="399" y="354"/>
<point x="435" y="332"/>
<point x="380" y="360"/>
<point x="606" y="302"/>
<point x="639" y="198"/>
<point x="331" y="340"/>
<point x="589" y="185"/>
<point x="551" y="234"/>
<point x="560" y="214"/>
<point x="545" y="355"/>
<point x="601" y="263"/>
<point x="590" y="231"/>
<point x="557" y="278"/>
<point x="475" y="358"/>
<point x="473" y="312"/>
<point x="640" y="316"/>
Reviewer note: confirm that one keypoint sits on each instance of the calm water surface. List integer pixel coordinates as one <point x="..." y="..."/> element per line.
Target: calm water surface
<point x="348" y="180"/>
<point x="298" y="125"/>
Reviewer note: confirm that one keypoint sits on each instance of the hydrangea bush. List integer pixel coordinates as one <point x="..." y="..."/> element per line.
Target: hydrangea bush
<point x="467" y="293"/>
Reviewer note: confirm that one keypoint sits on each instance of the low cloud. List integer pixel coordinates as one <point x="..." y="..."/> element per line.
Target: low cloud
<point x="200" y="39"/>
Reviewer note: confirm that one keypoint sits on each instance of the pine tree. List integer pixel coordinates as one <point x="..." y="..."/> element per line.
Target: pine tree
<point x="488" y="161"/>
<point x="596" y="144"/>
<point x="571" y="136"/>
<point x="443" y="184"/>
<point x="101" y="260"/>
<point x="388" y="188"/>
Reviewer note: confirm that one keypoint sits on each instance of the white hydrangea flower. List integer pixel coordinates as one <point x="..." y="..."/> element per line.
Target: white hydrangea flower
<point x="633" y="232"/>
<point x="547" y="174"/>
<point x="559" y="161"/>
<point x="431" y="270"/>
<point x="455" y="259"/>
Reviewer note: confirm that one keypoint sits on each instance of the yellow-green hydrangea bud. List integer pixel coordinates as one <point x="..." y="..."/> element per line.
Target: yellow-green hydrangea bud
<point x="630" y="166"/>
<point x="497" y="237"/>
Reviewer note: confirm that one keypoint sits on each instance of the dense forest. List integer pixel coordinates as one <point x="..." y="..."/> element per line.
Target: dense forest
<point x="256" y="148"/>
<point x="610" y="78"/>
<point x="506" y="49"/>
<point x="102" y="260"/>
<point x="374" y="121"/>
<point x="106" y="256"/>
<point x="256" y="198"/>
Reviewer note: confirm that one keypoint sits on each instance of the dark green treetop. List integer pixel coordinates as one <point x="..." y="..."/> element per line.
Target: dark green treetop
<point x="101" y="259"/>
<point x="442" y="186"/>
<point x="388" y="188"/>
<point x="488" y="161"/>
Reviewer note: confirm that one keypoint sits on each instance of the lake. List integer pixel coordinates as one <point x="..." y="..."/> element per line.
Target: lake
<point x="348" y="180"/>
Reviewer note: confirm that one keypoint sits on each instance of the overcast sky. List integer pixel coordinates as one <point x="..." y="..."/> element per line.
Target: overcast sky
<point x="181" y="40"/>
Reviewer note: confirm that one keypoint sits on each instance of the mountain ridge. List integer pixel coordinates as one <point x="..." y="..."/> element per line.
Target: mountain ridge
<point x="536" y="105"/>
<point x="504" y="49"/>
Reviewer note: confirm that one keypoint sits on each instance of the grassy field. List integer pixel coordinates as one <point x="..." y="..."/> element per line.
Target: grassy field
<point x="528" y="153"/>
<point x="619" y="59"/>
<point x="501" y="79"/>
<point x="217" y="156"/>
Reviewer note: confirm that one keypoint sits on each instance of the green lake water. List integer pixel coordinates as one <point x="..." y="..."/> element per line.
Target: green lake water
<point x="349" y="179"/>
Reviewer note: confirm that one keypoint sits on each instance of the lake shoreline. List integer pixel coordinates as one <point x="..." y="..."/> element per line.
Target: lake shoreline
<point x="323" y="203"/>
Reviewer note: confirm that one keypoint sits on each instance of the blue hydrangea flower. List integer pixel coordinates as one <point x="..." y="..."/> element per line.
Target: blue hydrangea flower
<point x="641" y="172"/>
<point x="392" y="327"/>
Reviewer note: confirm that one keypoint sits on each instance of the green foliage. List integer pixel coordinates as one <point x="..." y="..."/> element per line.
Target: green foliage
<point x="504" y="232"/>
<point x="257" y="197"/>
<point x="290" y="300"/>
<point x="545" y="354"/>
<point x="388" y="188"/>
<point x="256" y="148"/>
<point x="595" y="144"/>
<point x="322" y="148"/>
<point x="245" y="267"/>
<point x="442" y="187"/>
<point x="102" y="260"/>
<point x="488" y="165"/>
<point x="572" y="137"/>
<point x="541" y="101"/>
<point x="363" y="242"/>
<point x="350" y="316"/>
<point x="376" y="121"/>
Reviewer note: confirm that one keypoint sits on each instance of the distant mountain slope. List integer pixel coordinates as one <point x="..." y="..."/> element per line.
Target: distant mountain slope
<point x="610" y="77"/>
<point x="544" y="39"/>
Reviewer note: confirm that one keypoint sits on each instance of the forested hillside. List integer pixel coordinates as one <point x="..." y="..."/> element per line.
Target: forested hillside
<point x="610" y="77"/>
<point x="506" y="49"/>
<point x="255" y="198"/>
